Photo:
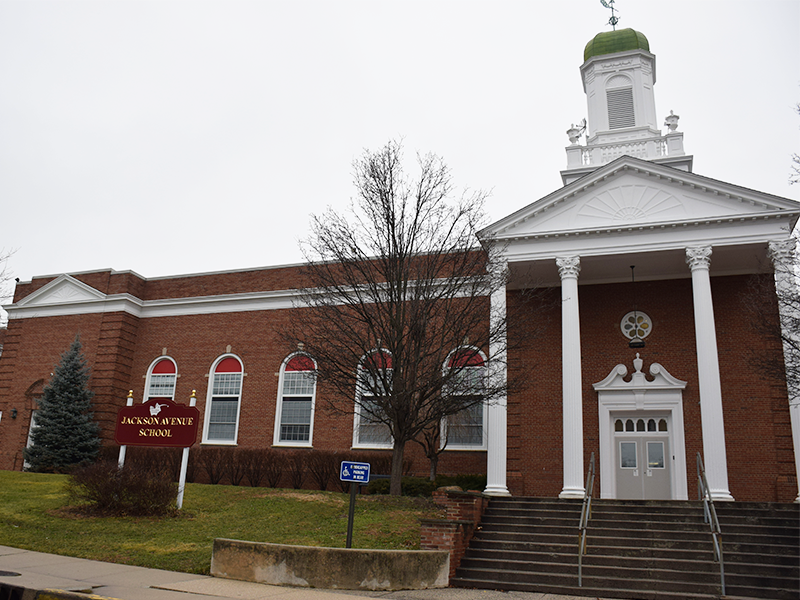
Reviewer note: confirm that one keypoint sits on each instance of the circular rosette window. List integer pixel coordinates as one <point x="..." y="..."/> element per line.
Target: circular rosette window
<point x="636" y="324"/>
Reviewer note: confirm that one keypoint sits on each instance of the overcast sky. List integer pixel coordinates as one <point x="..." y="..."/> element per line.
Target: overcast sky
<point x="178" y="137"/>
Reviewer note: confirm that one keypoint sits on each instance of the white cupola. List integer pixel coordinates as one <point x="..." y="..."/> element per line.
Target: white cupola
<point x="619" y="73"/>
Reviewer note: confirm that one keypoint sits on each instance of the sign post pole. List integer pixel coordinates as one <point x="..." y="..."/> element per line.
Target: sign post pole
<point x="355" y="473"/>
<point x="351" y="514"/>
<point x="185" y="460"/>
<point x="123" y="449"/>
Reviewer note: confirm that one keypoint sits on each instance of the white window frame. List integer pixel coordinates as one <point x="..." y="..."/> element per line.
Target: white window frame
<point x="484" y="434"/>
<point x="362" y="372"/>
<point x="29" y="441"/>
<point x="209" y="401"/>
<point x="149" y="379"/>
<point x="276" y="438"/>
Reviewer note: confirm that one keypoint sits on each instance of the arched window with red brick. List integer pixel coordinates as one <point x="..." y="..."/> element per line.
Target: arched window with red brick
<point x="223" y="401"/>
<point x="374" y="379"/>
<point x="294" y="415"/>
<point x="466" y="430"/>
<point x="162" y="376"/>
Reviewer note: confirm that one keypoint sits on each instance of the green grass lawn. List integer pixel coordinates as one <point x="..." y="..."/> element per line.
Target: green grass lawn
<point x="33" y="516"/>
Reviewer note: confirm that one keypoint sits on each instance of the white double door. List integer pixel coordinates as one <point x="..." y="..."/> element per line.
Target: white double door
<point x="643" y="458"/>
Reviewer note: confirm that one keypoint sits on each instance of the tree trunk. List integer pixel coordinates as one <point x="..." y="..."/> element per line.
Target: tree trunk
<point x="395" y="482"/>
<point x="434" y="458"/>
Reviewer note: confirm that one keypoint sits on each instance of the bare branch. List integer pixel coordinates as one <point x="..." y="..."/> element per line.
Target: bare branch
<point x="393" y="289"/>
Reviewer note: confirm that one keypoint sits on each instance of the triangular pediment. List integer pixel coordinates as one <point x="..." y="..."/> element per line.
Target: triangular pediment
<point x="62" y="290"/>
<point x="634" y="193"/>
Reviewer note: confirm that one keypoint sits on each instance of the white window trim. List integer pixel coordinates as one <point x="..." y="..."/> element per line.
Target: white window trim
<point x="484" y="433"/>
<point x="357" y="412"/>
<point x="276" y="436"/>
<point x="145" y="394"/>
<point x="209" y="395"/>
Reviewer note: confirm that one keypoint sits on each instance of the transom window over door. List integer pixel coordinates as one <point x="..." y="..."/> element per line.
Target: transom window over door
<point x="224" y="399"/>
<point x="465" y="429"/>
<point x="374" y="380"/>
<point x="161" y="378"/>
<point x="295" y="414"/>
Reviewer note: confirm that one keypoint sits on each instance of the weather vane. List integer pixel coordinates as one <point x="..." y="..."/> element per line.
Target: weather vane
<point x="614" y="19"/>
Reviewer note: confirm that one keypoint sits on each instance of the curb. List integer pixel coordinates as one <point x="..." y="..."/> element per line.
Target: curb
<point x="15" y="592"/>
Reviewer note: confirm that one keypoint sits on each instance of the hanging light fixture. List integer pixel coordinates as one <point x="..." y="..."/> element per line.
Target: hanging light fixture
<point x="636" y="341"/>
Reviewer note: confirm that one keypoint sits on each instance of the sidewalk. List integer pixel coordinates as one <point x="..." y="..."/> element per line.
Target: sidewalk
<point x="36" y="570"/>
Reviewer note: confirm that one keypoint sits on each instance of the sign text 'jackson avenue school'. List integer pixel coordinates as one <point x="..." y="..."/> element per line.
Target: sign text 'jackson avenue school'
<point x="158" y="422"/>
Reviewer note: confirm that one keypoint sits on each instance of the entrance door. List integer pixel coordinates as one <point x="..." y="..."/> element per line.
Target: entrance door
<point x="643" y="458"/>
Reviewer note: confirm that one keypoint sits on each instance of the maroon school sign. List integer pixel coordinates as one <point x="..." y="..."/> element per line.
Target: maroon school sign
<point x="157" y="422"/>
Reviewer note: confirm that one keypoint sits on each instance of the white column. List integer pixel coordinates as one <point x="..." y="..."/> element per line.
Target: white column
<point x="572" y="397"/>
<point x="783" y="258"/>
<point x="497" y="411"/>
<point x="713" y="427"/>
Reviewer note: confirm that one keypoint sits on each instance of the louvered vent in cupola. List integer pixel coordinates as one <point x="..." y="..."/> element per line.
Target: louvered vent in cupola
<point x="620" y="108"/>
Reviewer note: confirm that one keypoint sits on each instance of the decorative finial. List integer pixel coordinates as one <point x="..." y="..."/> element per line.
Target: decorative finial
<point x="576" y="131"/>
<point x="614" y="19"/>
<point x="637" y="363"/>
<point x="194" y="394"/>
<point x="671" y="121"/>
<point x="300" y="346"/>
<point x="130" y="394"/>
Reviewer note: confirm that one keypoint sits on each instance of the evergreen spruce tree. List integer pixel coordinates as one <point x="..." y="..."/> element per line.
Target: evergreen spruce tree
<point x="65" y="433"/>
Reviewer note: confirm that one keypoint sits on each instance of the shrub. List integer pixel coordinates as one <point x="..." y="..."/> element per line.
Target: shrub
<point x="323" y="465"/>
<point x="213" y="462"/>
<point x="274" y="468"/>
<point x="132" y="490"/>
<point x="236" y="466"/>
<point x="297" y="469"/>
<point x="422" y="486"/>
<point x="465" y="482"/>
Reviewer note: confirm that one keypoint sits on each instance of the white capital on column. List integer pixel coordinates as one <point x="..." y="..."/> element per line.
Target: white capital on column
<point x="783" y="258"/>
<point x="572" y="399"/>
<point x="496" y="412"/>
<point x="713" y="427"/>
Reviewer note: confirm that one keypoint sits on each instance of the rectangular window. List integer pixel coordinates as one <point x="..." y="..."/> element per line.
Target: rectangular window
<point x="655" y="455"/>
<point x="298" y="391"/>
<point x="465" y="428"/>
<point x="224" y="407"/>
<point x="161" y="386"/>
<point x="371" y="431"/>
<point x="627" y="455"/>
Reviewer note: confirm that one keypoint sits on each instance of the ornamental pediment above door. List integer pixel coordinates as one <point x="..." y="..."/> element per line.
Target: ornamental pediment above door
<point x="631" y="193"/>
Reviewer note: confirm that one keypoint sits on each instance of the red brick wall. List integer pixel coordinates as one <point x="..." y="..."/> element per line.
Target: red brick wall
<point x="462" y="515"/>
<point x="758" y="434"/>
<point x="119" y="349"/>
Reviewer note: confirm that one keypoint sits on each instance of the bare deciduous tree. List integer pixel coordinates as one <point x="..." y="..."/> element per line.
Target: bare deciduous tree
<point x="5" y="277"/>
<point x="394" y="290"/>
<point x="773" y="302"/>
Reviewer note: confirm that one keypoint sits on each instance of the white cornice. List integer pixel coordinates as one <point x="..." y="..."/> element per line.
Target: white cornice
<point x="201" y="305"/>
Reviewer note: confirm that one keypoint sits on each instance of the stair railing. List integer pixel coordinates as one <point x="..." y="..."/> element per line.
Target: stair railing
<point x="586" y="513"/>
<point x="710" y="517"/>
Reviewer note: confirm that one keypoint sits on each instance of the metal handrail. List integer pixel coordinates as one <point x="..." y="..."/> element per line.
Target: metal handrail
<point x="710" y="517"/>
<point x="586" y="513"/>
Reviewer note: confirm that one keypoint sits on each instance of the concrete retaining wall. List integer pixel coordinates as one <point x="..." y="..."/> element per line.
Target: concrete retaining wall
<point x="332" y="568"/>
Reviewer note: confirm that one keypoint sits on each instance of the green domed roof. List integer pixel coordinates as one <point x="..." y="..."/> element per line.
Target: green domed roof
<point x="610" y="42"/>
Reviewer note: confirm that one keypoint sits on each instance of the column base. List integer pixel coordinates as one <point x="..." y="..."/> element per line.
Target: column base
<point x="572" y="493"/>
<point x="721" y="496"/>
<point x="496" y="490"/>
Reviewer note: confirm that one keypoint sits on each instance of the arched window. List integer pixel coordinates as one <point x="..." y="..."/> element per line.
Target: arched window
<point x="374" y="379"/>
<point x="466" y="429"/>
<point x="161" y="378"/>
<point x="223" y="400"/>
<point x="294" y="417"/>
